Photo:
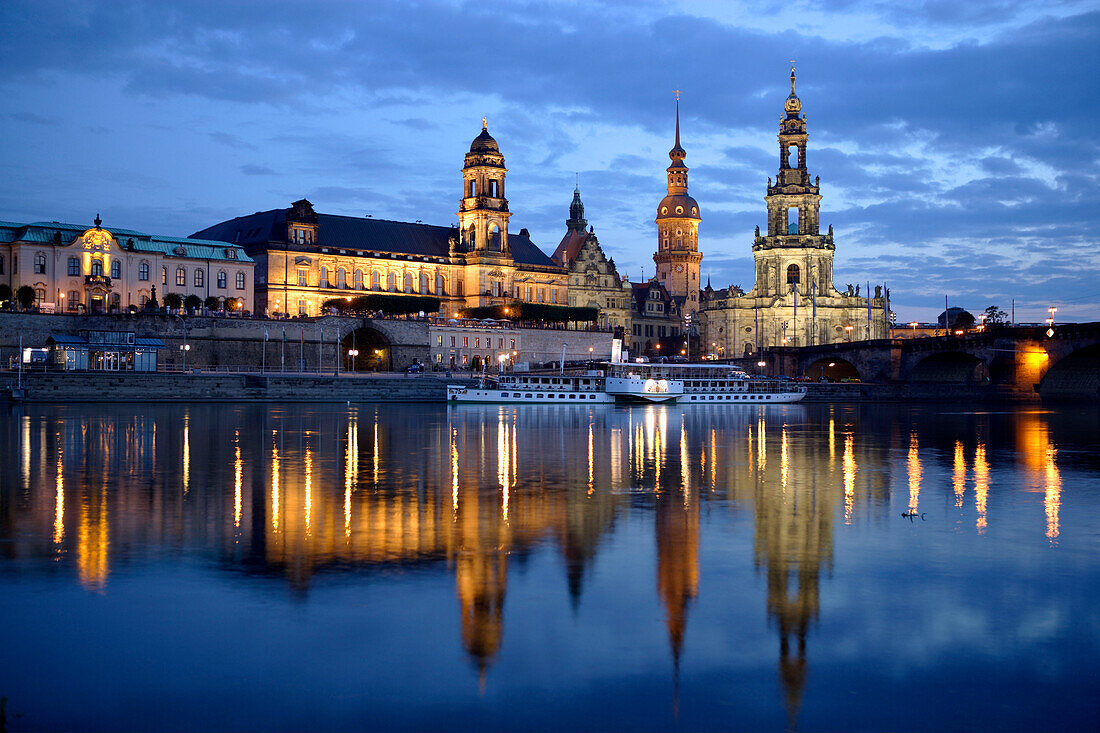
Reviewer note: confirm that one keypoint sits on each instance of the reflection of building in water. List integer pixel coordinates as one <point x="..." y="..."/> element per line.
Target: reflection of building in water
<point x="677" y="524"/>
<point x="1038" y="454"/>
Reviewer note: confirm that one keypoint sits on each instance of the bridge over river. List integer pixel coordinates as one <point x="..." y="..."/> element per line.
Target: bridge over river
<point x="1020" y="361"/>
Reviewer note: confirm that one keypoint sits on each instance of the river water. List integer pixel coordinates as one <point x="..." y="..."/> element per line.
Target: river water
<point x="244" y="567"/>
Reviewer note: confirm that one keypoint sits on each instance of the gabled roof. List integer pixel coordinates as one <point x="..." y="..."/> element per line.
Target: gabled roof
<point x="640" y="292"/>
<point x="255" y="231"/>
<point x="569" y="248"/>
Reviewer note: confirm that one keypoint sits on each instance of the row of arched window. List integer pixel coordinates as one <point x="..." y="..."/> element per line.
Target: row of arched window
<point x="394" y="282"/>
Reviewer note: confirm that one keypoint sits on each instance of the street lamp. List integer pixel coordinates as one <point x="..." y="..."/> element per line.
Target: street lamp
<point x="849" y="330"/>
<point x="1050" y="321"/>
<point x="185" y="348"/>
<point x="352" y="353"/>
<point x="502" y="358"/>
<point x="761" y="364"/>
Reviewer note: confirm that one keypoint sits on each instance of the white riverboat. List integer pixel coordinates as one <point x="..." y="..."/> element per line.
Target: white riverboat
<point x="684" y="384"/>
<point x="716" y="383"/>
<point x="593" y="386"/>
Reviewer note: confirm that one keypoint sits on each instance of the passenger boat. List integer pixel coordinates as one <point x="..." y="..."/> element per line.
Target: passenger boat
<point x="593" y="386"/>
<point x="717" y="383"/>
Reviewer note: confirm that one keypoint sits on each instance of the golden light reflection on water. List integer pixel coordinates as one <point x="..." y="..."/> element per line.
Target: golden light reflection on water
<point x="59" y="496"/>
<point x="275" y="480"/>
<point x="433" y="502"/>
<point x="981" y="486"/>
<point x="848" y="463"/>
<point x="958" y="477"/>
<point x="915" y="474"/>
<point x="186" y="452"/>
<point x="238" y="471"/>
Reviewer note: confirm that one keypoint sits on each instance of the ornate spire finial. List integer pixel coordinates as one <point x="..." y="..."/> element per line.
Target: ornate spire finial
<point x="485" y="122"/>
<point x="98" y="221"/>
<point x="792" y="77"/>
<point x="677" y="118"/>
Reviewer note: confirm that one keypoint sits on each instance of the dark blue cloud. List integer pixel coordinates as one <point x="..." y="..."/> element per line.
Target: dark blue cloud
<point x="944" y="132"/>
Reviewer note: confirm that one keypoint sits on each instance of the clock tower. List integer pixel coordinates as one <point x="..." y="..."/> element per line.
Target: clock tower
<point x="677" y="255"/>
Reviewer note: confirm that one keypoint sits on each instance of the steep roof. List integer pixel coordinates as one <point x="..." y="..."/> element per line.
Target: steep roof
<point x="351" y="232"/>
<point x="569" y="248"/>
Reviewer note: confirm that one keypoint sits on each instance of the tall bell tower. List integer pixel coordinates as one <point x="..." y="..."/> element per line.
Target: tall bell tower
<point x="677" y="255"/>
<point x="793" y="257"/>
<point x="483" y="211"/>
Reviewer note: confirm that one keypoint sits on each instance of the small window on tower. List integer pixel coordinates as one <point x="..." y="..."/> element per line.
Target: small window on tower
<point x="792" y="152"/>
<point x="792" y="275"/>
<point x="679" y="209"/>
<point x="792" y="220"/>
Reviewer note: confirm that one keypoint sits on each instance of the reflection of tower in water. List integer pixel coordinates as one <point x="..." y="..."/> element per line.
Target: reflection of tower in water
<point x="793" y="541"/>
<point x="677" y="525"/>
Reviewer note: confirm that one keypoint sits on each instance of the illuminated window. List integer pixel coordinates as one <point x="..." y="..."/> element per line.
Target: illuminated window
<point x="303" y="277"/>
<point x="323" y="282"/>
<point x="240" y="281"/>
<point x="440" y="285"/>
<point x="375" y="280"/>
<point x="164" y="276"/>
<point x="200" y="277"/>
<point x="302" y="310"/>
<point x="424" y="283"/>
<point x="222" y="280"/>
<point x="74" y="300"/>
<point x="40" y="264"/>
<point x="97" y="268"/>
<point x="341" y="278"/>
<point x="74" y="266"/>
<point x="358" y="279"/>
<point x="39" y="295"/>
<point x="391" y="282"/>
<point x="143" y="271"/>
<point x="542" y="295"/>
<point x="181" y="276"/>
<point x="553" y="295"/>
<point x="408" y="287"/>
<point x="116" y="269"/>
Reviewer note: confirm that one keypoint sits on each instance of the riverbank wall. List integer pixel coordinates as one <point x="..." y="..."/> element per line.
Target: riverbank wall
<point x="54" y="386"/>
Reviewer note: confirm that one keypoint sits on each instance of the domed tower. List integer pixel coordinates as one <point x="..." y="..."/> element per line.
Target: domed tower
<point x="678" y="256"/>
<point x="793" y="257"/>
<point x="483" y="212"/>
<point x="576" y="221"/>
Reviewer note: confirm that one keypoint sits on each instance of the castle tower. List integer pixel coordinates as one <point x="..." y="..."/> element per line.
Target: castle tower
<point x="677" y="255"/>
<point x="483" y="212"/>
<point x="793" y="256"/>
<point x="576" y="221"/>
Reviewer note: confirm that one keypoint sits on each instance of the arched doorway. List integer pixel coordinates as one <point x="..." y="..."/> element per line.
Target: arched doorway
<point x="374" y="351"/>
<point x="833" y="369"/>
<point x="952" y="367"/>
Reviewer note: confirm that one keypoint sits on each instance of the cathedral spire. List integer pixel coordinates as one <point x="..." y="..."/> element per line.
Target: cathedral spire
<point x="677" y="153"/>
<point x="576" y="221"/>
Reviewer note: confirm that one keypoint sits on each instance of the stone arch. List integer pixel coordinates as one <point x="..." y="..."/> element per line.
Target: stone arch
<point x="1073" y="377"/>
<point x="833" y="369"/>
<point x="950" y="367"/>
<point x="374" y="347"/>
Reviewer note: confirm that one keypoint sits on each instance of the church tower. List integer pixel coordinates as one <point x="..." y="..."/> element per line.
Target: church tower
<point x="677" y="255"/>
<point x="483" y="212"/>
<point x="793" y="257"/>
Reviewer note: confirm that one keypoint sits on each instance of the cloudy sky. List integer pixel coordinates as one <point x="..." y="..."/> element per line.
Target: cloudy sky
<point x="955" y="139"/>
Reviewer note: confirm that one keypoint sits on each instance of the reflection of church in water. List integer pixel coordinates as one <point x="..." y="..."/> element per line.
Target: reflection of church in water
<point x="292" y="495"/>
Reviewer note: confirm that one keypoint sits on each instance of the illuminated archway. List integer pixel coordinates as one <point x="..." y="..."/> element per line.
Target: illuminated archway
<point x="375" y="352"/>
<point x="832" y="369"/>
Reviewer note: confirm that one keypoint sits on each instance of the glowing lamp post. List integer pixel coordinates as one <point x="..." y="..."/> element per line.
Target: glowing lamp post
<point x="352" y="353"/>
<point x="849" y="330"/>
<point x="1050" y="321"/>
<point x="501" y="359"/>
<point x="184" y="348"/>
<point x="761" y="364"/>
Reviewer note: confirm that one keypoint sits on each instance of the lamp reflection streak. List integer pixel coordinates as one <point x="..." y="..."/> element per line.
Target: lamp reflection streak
<point x="958" y="478"/>
<point x="237" y="471"/>
<point x="59" y="499"/>
<point x="1052" y="497"/>
<point x="309" y="491"/>
<point x="848" y="463"/>
<point x="783" y="460"/>
<point x="186" y="452"/>
<point x="274" y="482"/>
<point x="915" y="473"/>
<point x="981" y="486"/>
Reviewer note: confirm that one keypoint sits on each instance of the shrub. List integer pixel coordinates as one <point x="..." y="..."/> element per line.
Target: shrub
<point x="25" y="296"/>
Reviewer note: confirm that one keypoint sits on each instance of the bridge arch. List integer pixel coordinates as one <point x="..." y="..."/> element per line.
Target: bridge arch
<point x="950" y="367"/>
<point x="832" y="368"/>
<point x="1075" y="376"/>
<point x="374" y="347"/>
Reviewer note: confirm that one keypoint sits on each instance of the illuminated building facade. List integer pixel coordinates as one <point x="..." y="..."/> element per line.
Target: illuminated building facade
<point x="305" y="258"/>
<point x="794" y="301"/>
<point x="594" y="282"/>
<point x="96" y="270"/>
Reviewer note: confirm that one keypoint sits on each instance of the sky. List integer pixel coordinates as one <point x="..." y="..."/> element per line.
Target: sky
<point x="956" y="141"/>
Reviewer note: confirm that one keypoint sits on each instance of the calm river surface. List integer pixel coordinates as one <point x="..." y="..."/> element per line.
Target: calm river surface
<point x="237" y="567"/>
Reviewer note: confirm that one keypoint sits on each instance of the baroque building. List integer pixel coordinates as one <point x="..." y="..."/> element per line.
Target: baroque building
<point x="655" y="320"/>
<point x="95" y="270"/>
<point x="678" y="257"/>
<point x="594" y="281"/>
<point x="794" y="301"/>
<point x="304" y="258"/>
